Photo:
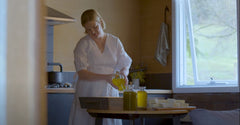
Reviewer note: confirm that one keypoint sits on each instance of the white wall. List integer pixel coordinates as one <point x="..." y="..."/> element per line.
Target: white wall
<point x="25" y="63"/>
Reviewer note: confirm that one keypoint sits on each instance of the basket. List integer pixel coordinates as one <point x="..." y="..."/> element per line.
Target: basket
<point x="103" y="103"/>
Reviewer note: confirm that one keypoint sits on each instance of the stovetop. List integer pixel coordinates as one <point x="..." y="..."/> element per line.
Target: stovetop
<point x="59" y="85"/>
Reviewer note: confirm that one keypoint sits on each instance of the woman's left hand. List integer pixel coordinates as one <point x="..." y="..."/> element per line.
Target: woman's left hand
<point x="125" y="78"/>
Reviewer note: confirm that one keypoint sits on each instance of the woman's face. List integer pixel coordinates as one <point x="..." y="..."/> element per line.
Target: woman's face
<point x="94" y="29"/>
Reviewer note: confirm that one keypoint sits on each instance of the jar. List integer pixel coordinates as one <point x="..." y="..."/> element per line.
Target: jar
<point x="119" y="81"/>
<point x="129" y="98"/>
<point x="142" y="98"/>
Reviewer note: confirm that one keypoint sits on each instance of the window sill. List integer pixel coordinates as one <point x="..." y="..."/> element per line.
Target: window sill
<point x="206" y="90"/>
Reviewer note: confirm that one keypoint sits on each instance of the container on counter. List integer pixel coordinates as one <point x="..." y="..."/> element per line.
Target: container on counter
<point x="129" y="98"/>
<point x="142" y="98"/>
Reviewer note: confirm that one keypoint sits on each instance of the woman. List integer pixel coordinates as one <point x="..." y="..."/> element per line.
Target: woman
<point x="97" y="56"/>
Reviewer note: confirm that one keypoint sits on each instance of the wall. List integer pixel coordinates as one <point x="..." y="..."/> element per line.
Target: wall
<point x="136" y="22"/>
<point x="152" y="16"/>
<point x="121" y="17"/>
<point x="25" y="70"/>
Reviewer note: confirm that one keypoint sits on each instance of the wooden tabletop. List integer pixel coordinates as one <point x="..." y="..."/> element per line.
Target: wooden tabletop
<point x="140" y="112"/>
<point x="174" y="113"/>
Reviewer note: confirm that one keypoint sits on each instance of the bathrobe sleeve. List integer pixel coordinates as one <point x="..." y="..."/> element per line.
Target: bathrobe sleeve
<point x="123" y="60"/>
<point x="80" y="55"/>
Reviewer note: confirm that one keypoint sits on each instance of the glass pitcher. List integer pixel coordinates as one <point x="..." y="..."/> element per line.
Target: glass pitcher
<point x="119" y="81"/>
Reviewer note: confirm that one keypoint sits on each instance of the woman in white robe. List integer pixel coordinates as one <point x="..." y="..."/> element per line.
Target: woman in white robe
<point x="97" y="56"/>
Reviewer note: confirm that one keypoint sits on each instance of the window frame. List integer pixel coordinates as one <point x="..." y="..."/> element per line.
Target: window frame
<point x="177" y="78"/>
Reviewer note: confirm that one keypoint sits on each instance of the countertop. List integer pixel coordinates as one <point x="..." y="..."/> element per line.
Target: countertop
<point x="72" y="90"/>
<point x="156" y="91"/>
<point x="60" y="90"/>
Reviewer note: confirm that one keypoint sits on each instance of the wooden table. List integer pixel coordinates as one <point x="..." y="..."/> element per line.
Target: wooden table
<point x="174" y="113"/>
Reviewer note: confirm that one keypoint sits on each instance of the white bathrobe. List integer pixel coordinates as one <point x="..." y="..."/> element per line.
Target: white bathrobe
<point x="88" y="56"/>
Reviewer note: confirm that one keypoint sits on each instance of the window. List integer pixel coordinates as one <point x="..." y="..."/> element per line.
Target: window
<point x="3" y="62"/>
<point x="205" y="45"/>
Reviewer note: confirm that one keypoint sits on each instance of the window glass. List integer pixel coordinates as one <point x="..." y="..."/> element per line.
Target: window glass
<point x="206" y="43"/>
<point x="3" y="61"/>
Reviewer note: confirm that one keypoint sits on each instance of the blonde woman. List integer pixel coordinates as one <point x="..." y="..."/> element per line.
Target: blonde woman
<point x="97" y="56"/>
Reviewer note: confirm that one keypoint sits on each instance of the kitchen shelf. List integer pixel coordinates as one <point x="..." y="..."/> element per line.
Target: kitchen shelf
<point x="55" y="17"/>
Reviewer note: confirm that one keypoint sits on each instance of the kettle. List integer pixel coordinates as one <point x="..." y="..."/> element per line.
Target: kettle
<point x="54" y="76"/>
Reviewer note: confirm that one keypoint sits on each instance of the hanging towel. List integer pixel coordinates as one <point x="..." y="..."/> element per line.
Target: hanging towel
<point x="162" y="47"/>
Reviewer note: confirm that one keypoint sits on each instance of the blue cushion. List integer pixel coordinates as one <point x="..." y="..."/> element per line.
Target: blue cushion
<point x="209" y="117"/>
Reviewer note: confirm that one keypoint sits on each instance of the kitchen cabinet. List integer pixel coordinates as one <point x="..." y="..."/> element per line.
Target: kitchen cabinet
<point x="60" y="101"/>
<point x="55" y="17"/>
<point x="59" y="107"/>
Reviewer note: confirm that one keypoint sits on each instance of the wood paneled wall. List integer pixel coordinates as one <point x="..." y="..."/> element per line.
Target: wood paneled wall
<point x="151" y="18"/>
<point x="159" y="81"/>
<point x="211" y="101"/>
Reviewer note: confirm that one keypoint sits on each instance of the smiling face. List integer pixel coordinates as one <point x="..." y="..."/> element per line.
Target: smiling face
<point x="94" y="29"/>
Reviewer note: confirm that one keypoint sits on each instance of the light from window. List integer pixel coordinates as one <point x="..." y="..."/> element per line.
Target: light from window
<point x="206" y="53"/>
<point x="3" y="62"/>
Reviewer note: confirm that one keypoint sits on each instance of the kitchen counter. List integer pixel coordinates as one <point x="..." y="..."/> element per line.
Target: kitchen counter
<point x="156" y="91"/>
<point x="60" y="90"/>
<point x="72" y="90"/>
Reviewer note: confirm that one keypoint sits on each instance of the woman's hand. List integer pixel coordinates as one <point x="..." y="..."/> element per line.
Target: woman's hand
<point x="125" y="78"/>
<point x="87" y="75"/>
<point x="124" y="71"/>
<point x="109" y="80"/>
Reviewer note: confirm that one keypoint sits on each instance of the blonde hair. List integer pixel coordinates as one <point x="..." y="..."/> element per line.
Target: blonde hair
<point x="92" y="15"/>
